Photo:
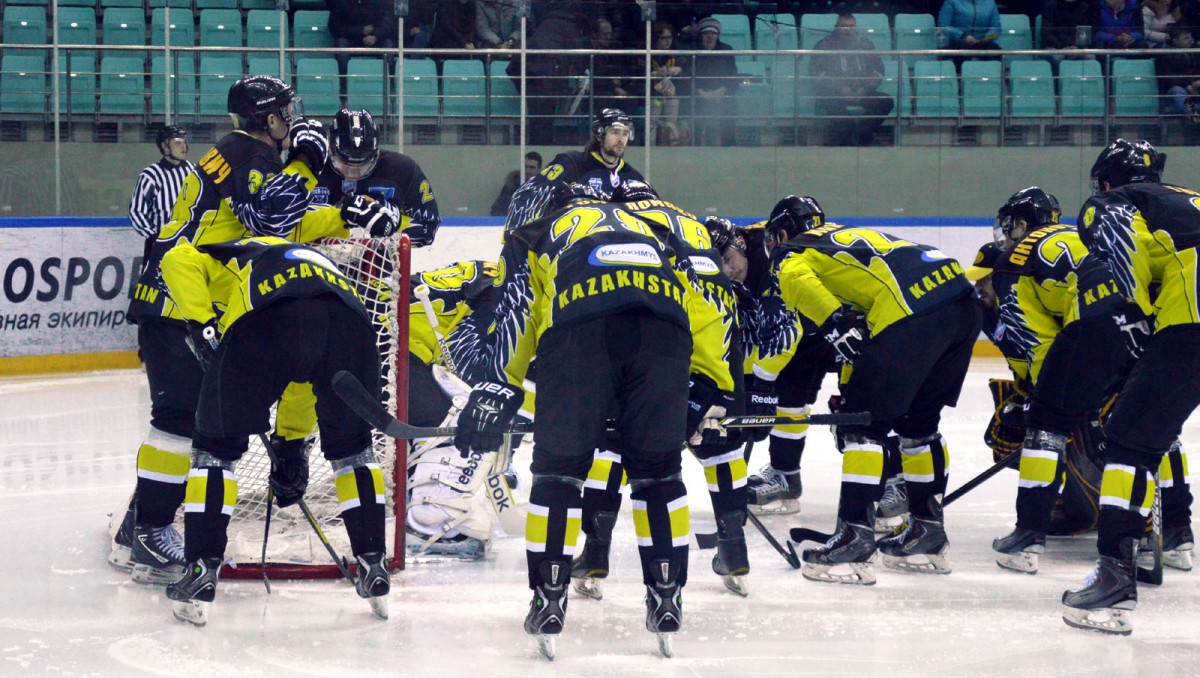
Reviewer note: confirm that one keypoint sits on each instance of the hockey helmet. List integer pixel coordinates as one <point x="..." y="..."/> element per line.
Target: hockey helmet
<point x="793" y="214"/>
<point x="253" y="98"/>
<point x="564" y="193"/>
<point x="1032" y="205"/>
<point x="354" y="144"/>
<point x="611" y="117"/>
<point x="166" y="133"/>
<point x="721" y="233"/>
<point x="1127" y="162"/>
<point x="632" y="190"/>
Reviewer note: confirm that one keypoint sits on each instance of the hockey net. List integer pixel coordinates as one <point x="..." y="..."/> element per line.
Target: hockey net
<point x="380" y="270"/>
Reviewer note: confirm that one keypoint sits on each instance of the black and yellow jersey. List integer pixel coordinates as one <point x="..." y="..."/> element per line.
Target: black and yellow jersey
<point x="770" y="330"/>
<point x="455" y="291"/>
<point x="1147" y="235"/>
<point x="396" y="179"/>
<point x="243" y="276"/>
<point x="240" y="189"/>
<point x="580" y="167"/>
<point x="1045" y="283"/>
<point x="885" y="277"/>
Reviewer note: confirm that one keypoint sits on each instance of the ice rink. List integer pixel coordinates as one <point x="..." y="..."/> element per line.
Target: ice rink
<point x="67" y="451"/>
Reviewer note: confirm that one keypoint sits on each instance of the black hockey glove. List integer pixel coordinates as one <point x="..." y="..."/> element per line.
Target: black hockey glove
<point x="306" y="142"/>
<point x="289" y="470"/>
<point x="761" y="401"/>
<point x="1136" y="329"/>
<point x="203" y="339"/>
<point x="488" y="415"/>
<point x="847" y="332"/>
<point x="706" y="405"/>
<point x="379" y="218"/>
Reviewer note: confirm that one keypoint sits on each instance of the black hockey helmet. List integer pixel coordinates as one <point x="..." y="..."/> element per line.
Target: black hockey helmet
<point x="1127" y="162"/>
<point x="353" y="144"/>
<point x="793" y="214"/>
<point x="721" y="233"/>
<point x="166" y="133"/>
<point x="253" y="98"/>
<point x="1033" y="205"/>
<point x="611" y="117"/>
<point x="564" y="193"/>
<point x="632" y="190"/>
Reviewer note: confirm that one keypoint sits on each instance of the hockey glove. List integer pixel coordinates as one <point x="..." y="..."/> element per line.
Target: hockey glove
<point x="306" y="142"/>
<point x="289" y="470"/>
<point x="847" y="332"/>
<point x="379" y="218"/>
<point x="203" y="339"/>
<point x="706" y="406"/>
<point x="1135" y="328"/>
<point x="488" y="415"/>
<point x="1005" y="433"/>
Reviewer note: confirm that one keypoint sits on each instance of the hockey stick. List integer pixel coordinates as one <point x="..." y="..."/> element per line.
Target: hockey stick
<point x="978" y="480"/>
<point x="1154" y="575"/>
<point x="789" y="555"/>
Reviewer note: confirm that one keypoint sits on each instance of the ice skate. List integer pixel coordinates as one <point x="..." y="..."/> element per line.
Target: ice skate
<point x="1019" y="550"/>
<point x="920" y="546"/>
<point x="847" y="558"/>
<point x="774" y="492"/>
<point x="548" y="609"/>
<point x="191" y="594"/>
<point x="120" y="554"/>
<point x="731" y="561"/>
<point x="590" y="568"/>
<point x="1106" y="597"/>
<point x="664" y="604"/>
<point x="421" y="548"/>
<point x="373" y="582"/>
<point x="1177" y="545"/>
<point x="893" y="505"/>
<point x="156" y="554"/>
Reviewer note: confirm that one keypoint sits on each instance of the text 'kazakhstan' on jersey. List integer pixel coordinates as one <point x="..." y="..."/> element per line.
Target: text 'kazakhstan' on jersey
<point x="885" y="277"/>
<point x="396" y="179"/>
<point x="580" y="167"/>
<point x="1147" y="235"/>
<point x="1045" y="283"/>
<point x="454" y="292"/>
<point x="247" y="275"/>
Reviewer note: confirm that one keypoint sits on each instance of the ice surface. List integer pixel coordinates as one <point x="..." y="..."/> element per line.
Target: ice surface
<point x="67" y="449"/>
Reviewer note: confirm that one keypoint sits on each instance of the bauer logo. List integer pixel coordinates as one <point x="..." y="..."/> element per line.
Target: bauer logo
<point x="624" y="255"/>
<point x="313" y="257"/>
<point x="704" y="265"/>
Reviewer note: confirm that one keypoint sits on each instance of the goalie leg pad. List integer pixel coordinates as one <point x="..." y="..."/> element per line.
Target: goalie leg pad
<point x="445" y="508"/>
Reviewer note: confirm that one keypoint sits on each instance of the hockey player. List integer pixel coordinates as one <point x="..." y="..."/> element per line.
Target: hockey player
<point x="1146" y="233"/>
<point x="290" y="317"/>
<point x="600" y="165"/>
<point x="358" y="166"/>
<point x="606" y="306"/>
<point x="159" y="184"/>
<point x="908" y="362"/>
<point x="241" y="188"/>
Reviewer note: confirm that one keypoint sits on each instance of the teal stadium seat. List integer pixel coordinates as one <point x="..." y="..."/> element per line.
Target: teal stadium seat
<point x="138" y="4"/>
<point x="122" y="85"/>
<point x="35" y="3"/>
<point x="123" y="26"/>
<point x="318" y="82"/>
<point x="775" y="31"/>
<point x="1031" y="89"/>
<point x="505" y="100"/>
<point x="1081" y="87"/>
<point x="874" y="27"/>
<point x="735" y="30"/>
<point x="77" y="85"/>
<point x="220" y="28"/>
<point x="216" y="75"/>
<point x="1134" y="87"/>
<point x="202" y="5"/>
<point x="790" y="87"/>
<point x="754" y="93"/>
<point x="935" y="89"/>
<point x="1015" y="34"/>
<point x="77" y="26"/>
<point x="464" y="90"/>
<point x="895" y="86"/>
<point x="813" y="27"/>
<point x="915" y="31"/>
<point x="311" y="29"/>
<point x="367" y="84"/>
<point x="268" y="64"/>
<point x="420" y="88"/>
<point x="175" y="4"/>
<point x="22" y="83"/>
<point x="263" y="28"/>
<point x="981" y="86"/>
<point x="25" y="26"/>
<point x="254" y="5"/>
<point x="183" y="84"/>
<point x="183" y="30"/>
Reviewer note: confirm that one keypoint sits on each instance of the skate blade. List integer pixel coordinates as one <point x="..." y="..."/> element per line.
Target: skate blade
<point x="859" y="574"/>
<point x="933" y="563"/>
<point x="589" y="587"/>
<point x="779" y="507"/>
<point x="121" y="558"/>
<point x="194" y="612"/>
<point x="737" y="584"/>
<point x="545" y="643"/>
<point x="379" y="605"/>
<point x="148" y="574"/>
<point x="889" y="524"/>
<point x="1024" y="562"/>
<point x="1178" y="560"/>
<point x="666" y="644"/>
<point x="1105" y="620"/>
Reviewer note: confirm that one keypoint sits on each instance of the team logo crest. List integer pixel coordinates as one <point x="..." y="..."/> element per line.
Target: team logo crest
<point x="597" y="184"/>
<point x="320" y="195"/>
<point x="1089" y="216"/>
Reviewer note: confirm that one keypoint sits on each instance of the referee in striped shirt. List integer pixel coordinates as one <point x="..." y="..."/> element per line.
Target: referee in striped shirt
<point x="159" y="184"/>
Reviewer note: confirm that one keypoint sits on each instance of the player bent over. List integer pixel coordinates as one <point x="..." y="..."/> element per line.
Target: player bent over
<point x="290" y="317"/>
<point x="907" y="360"/>
<point x="1146" y="233"/>
<point x="608" y="319"/>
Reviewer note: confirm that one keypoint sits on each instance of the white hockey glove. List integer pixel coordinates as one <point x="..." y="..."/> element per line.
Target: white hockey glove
<point x="203" y="339"/>
<point x="379" y="218"/>
<point x="306" y="141"/>
<point x="706" y="406"/>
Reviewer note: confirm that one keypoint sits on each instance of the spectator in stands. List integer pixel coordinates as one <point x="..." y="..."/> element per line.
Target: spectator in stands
<point x="1067" y="28"/>
<point x="847" y="85"/>
<point x="1157" y="18"/>
<point x="627" y="22"/>
<point x="418" y="25"/>
<point x="686" y="16"/>
<point x="562" y="26"/>
<point x="454" y="25"/>
<point x="614" y="79"/>
<point x="360" y="23"/>
<point x="533" y="165"/>
<point x="497" y="25"/>
<point x="1120" y="25"/>
<point x="1179" y="74"/>
<point x="714" y="85"/>
<point x="969" y="24"/>
<point x="667" y="85"/>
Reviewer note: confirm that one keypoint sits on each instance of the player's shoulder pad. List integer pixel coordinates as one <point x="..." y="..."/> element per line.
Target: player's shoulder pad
<point x="1022" y="260"/>
<point x="394" y="162"/>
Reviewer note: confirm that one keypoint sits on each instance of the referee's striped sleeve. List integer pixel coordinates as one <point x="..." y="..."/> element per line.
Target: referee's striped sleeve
<point x="154" y="196"/>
